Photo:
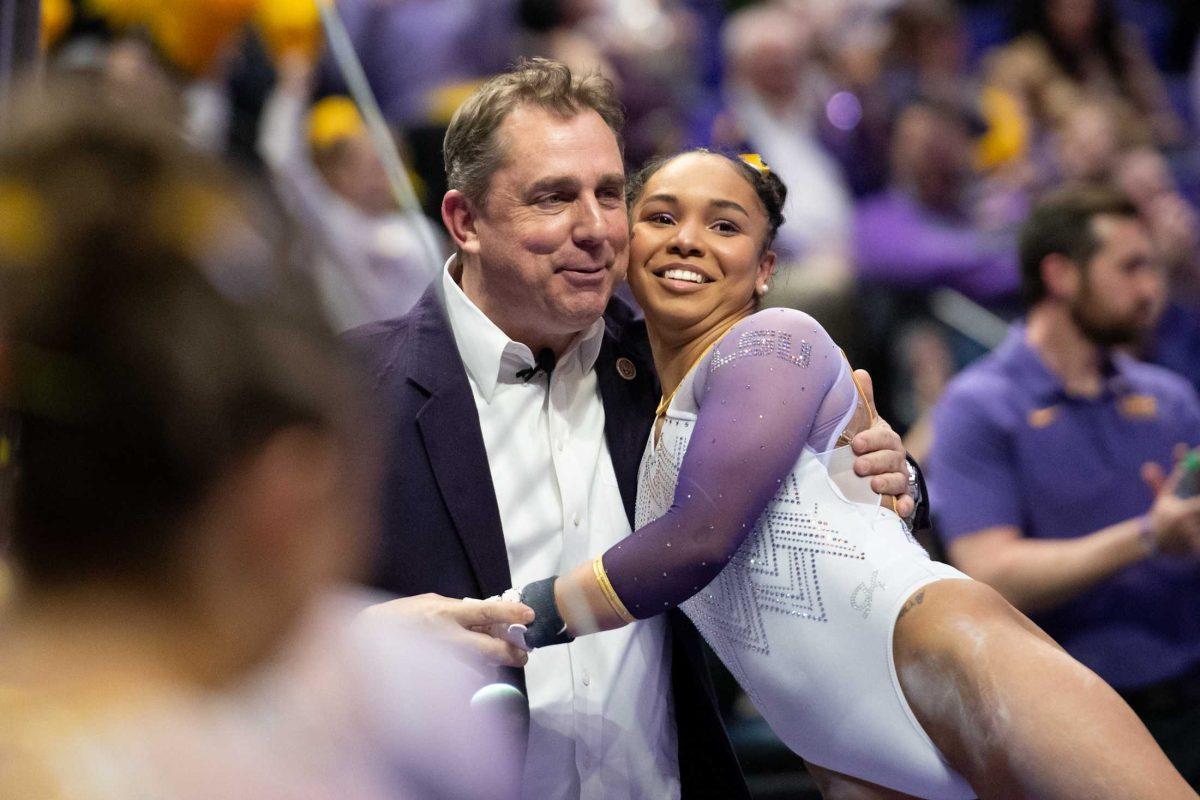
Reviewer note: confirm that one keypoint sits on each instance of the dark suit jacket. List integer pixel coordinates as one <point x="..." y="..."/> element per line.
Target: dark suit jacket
<point x="441" y="529"/>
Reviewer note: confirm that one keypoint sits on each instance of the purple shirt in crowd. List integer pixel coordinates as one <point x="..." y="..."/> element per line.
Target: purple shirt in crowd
<point x="1177" y="341"/>
<point x="898" y="242"/>
<point x="1012" y="448"/>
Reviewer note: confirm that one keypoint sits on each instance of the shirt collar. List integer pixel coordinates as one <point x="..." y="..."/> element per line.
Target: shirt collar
<point x="1043" y="383"/>
<point x="489" y="356"/>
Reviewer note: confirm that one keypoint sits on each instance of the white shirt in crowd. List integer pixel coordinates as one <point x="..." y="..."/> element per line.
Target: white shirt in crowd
<point x="367" y="267"/>
<point x="601" y="715"/>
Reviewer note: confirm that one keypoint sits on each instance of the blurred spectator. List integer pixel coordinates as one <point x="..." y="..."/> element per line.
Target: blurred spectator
<point x="928" y="230"/>
<point x="172" y="53"/>
<point x="658" y="49"/>
<point x="557" y="29"/>
<point x="422" y="58"/>
<point x="1175" y="230"/>
<point x="928" y="364"/>
<point x="1087" y="145"/>
<point x="776" y="92"/>
<point x="1041" y="457"/>
<point x="1072" y="51"/>
<point x="192" y="499"/>
<point x="897" y="53"/>
<point x="372" y="262"/>
<point x="414" y="51"/>
<point x="926" y="54"/>
<point x="128" y="72"/>
<point x="1194" y="81"/>
<point x="1144" y="175"/>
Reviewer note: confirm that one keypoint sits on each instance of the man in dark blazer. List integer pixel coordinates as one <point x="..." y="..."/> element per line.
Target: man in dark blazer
<point x="537" y="213"/>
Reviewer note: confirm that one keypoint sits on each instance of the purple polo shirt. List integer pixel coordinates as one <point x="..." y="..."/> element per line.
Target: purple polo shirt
<point x="1011" y="447"/>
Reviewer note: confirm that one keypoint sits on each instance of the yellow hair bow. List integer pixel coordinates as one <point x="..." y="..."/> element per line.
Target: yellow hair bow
<point x="755" y="160"/>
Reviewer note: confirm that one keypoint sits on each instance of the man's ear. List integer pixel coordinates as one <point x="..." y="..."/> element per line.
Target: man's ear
<point x="1061" y="276"/>
<point x="459" y="215"/>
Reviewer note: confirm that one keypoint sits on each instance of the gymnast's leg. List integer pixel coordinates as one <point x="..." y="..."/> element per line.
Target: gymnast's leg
<point x="1012" y="712"/>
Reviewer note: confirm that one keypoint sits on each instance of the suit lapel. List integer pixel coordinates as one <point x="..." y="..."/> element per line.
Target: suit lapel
<point x="453" y="439"/>
<point x="628" y="407"/>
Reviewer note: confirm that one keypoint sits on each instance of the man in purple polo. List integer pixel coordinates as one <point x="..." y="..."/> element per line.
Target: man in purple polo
<point x="1044" y="458"/>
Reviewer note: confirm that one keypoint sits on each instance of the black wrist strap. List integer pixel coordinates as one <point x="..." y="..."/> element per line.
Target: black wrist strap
<point x="547" y="627"/>
<point x="921" y="520"/>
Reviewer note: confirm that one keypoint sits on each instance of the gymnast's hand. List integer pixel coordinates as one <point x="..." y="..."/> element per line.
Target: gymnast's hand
<point x="881" y="455"/>
<point x="463" y="622"/>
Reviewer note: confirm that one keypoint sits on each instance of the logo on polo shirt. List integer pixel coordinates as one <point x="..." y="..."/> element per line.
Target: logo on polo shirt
<point x="1139" y="406"/>
<point x="1041" y="417"/>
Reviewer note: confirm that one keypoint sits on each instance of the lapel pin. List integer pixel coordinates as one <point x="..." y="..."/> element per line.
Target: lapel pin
<point x="626" y="369"/>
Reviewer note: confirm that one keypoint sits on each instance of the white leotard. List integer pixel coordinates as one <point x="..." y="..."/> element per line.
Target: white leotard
<point x="803" y="612"/>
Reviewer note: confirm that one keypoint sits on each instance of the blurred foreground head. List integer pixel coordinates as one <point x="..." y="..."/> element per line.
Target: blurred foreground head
<point x="184" y="415"/>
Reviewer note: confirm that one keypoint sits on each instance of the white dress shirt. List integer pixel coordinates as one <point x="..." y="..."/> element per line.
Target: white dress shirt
<point x="601" y="717"/>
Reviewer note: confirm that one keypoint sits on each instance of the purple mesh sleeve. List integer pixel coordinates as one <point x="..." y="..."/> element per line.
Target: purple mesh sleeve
<point x="772" y="382"/>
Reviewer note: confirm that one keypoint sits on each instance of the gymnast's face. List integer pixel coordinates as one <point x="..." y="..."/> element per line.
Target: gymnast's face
<point x="696" y="246"/>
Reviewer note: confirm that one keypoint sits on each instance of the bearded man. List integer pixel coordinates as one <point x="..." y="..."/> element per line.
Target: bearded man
<point x="1048" y="461"/>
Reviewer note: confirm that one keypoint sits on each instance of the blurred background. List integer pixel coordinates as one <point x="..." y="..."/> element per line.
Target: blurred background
<point x="914" y="136"/>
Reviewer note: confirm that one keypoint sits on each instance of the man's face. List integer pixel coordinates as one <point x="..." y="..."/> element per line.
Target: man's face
<point x="552" y="237"/>
<point x="1123" y="287"/>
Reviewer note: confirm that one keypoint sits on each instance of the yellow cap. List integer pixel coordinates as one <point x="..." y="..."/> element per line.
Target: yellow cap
<point x="332" y="119"/>
<point x="289" y="26"/>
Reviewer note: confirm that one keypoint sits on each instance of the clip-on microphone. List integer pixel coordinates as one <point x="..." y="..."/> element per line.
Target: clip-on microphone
<point x="543" y="362"/>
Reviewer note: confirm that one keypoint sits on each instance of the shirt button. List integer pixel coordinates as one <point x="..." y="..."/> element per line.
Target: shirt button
<point x="587" y="678"/>
<point x="577" y="520"/>
<point x="560" y="446"/>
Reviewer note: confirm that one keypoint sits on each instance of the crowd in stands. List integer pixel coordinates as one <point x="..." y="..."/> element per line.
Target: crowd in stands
<point x="922" y="131"/>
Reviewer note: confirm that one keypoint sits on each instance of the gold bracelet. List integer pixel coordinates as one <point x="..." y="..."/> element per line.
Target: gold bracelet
<point x="610" y="593"/>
